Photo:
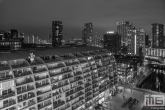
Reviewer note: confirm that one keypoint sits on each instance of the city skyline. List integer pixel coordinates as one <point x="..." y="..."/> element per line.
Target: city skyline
<point x="35" y="17"/>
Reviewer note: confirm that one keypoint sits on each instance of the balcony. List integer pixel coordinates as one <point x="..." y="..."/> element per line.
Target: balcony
<point x="55" y="66"/>
<point x="82" y="60"/>
<point x="42" y="83"/>
<point x="87" y="85"/>
<point x="77" y="73"/>
<point x="8" y="103"/>
<point x="25" y="81"/>
<point x="88" y="94"/>
<point x="77" y="78"/>
<point x="58" y="103"/>
<point x="39" y="69"/>
<point x="88" y="89"/>
<point x="6" y="76"/>
<point x="4" y="65"/>
<point x="18" y="63"/>
<point x="24" y="89"/>
<point x="44" y="104"/>
<point x="10" y="94"/>
<point x="88" y="104"/>
<point x="43" y="90"/>
<point x="19" y="73"/>
<point x="26" y="96"/>
<point x="71" y="63"/>
<point x="55" y="86"/>
<point x="49" y="59"/>
<point x="88" y="98"/>
<point x="87" y="75"/>
<point x="41" y="76"/>
<point x="43" y="97"/>
<point x="97" y="57"/>
<point x="79" y="99"/>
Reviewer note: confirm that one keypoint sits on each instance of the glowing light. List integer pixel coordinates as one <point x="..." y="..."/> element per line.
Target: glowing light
<point x="110" y="32"/>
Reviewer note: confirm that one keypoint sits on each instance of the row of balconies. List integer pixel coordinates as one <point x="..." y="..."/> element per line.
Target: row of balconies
<point x="44" y="104"/>
<point x="8" y="103"/>
<point x="58" y="103"/>
<point x="25" y="96"/>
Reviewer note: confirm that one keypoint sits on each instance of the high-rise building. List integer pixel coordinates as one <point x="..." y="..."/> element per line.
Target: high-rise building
<point x="112" y="42"/>
<point x="50" y="39"/>
<point x="87" y="35"/>
<point x="57" y="33"/>
<point x="56" y="79"/>
<point x="157" y="35"/>
<point x="14" y="34"/>
<point x="36" y="39"/>
<point x="136" y="41"/>
<point x="2" y="34"/>
<point x="122" y="29"/>
<point x="147" y="40"/>
<point x="26" y="39"/>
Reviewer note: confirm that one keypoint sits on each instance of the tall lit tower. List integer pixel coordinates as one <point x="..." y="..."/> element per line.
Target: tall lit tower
<point x="122" y="29"/>
<point x="87" y="33"/>
<point x="157" y="35"/>
<point x="57" y="33"/>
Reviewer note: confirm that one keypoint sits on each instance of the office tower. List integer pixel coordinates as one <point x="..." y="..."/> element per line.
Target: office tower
<point x="157" y="35"/>
<point x="87" y="33"/>
<point x="112" y="42"/>
<point x="56" y="79"/>
<point x="7" y="35"/>
<point x="36" y="39"/>
<point x="2" y="35"/>
<point x="136" y="41"/>
<point x="13" y="34"/>
<point x="122" y="29"/>
<point x="26" y="39"/>
<point x="147" y="40"/>
<point x="31" y="39"/>
<point x="50" y="39"/>
<point x="57" y="33"/>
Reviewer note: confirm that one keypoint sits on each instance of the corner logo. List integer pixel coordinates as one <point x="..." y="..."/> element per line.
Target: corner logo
<point x="154" y="100"/>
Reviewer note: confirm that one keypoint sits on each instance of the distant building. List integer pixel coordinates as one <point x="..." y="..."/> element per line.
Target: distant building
<point x="11" y="44"/>
<point x="2" y="34"/>
<point x="13" y="34"/>
<point x="112" y="42"/>
<point x="147" y="42"/>
<point x="50" y="39"/>
<point x="157" y="35"/>
<point x="87" y="33"/>
<point x="122" y="29"/>
<point x="26" y="39"/>
<point x="31" y="39"/>
<point x="136" y="41"/>
<point x="57" y="33"/>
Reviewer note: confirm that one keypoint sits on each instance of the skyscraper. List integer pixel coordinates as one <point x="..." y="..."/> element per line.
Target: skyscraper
<point x="57" y="33"/>
<point x="112" y="42"/>
<point x="14" y="34"/>
<point x="87" y="33"/>
<point x="122" y="29"/>
<point x="157" y="35"/>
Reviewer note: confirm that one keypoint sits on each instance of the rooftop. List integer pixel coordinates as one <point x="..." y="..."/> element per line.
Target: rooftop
<point x="43" y="52"/>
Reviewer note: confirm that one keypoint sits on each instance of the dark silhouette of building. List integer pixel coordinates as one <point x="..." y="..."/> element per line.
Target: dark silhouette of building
<point x="157" y="35"/>
<point x="122" y="29"/>
<point x="57" y="33"/>
<point x="11" y="44"/>
<point x="147" y="40"/>
<point x="112" y="42"/>
<point x="87" y="33"/>
<point x="2" y="34"/>
<point x="13" y="33"/>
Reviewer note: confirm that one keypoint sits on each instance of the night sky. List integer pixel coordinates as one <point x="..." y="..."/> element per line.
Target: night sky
<point x="34" y="17"/>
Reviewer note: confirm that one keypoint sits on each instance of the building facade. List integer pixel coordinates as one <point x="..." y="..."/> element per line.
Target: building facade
<point x="158" y="41"/>
<point x="87" y="35"/>
<point x="122" y="29"/>
<point x="112" y="42"/>
<point x="56" y="81"/>
<point x="136" y="41"/>
<point x="57" y="33"/>
<point x="13" y="33"/>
